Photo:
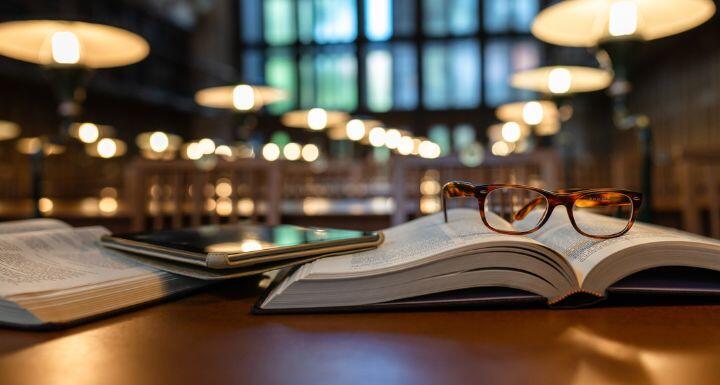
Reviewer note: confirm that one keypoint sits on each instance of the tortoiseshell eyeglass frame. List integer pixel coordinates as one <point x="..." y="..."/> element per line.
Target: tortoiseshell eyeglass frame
<point x="566" y="197"/>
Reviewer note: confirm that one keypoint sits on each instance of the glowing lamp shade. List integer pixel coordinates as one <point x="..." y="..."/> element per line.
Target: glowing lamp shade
<point x="53" y="42"/>
<point x="584" y="23"/>
<point x="531" y="113"/>
<point x="9" y="130"/>
<point x="241" y="97"/>
<point x="315" y="119"/>
<point x="562" y="79"/>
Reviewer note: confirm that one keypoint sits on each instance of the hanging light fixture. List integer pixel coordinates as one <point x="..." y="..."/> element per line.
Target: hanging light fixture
<point x="585" y="23"/>
<point x="68" y="51"/>
<point x="616" y="28"/>
<point x="315" y="119"/>
<point x="562" y="80"/>
<point x="240" y="97"/>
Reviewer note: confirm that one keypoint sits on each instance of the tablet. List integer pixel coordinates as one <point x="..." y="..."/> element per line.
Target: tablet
<point x="243" y="245"/>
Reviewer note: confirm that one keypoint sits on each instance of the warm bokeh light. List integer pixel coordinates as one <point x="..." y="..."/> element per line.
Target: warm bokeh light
<point x="193" y="151"/>
<point x="500" y="149"/>
<point x="271" y="152"/>
<point x="224" y="150"/>
<point x="511" y="132"/>
<point x="559" y="80"/>
<point x="245" y="207"/>
<point x="207" y="146"/>
<point x="622" y="20"/>
<point x="9" y="130"/>
<point x="392" y="138"/>
<point x="355" y="129"/>
<point x="310" y="152"/>
<point x="532" y="113"/>
<point x="45" y="205"/>
<point x="223" y="207"/>
<point x="223" y="189"/>
<point x="406" y="145"/>
<point x="429" y="187"/>
<point x="429" y="150"/>
<point x="243" y="97"/>
<point x="377" y="137"/>
<point x="159" y="141"/>
<point x="317" y="119"/>
<point x="88" y="132"/>
<point x="292" y="151"/>
<point x="107" y="148"/>
<point x="108" y="205"/>
<point x="65" y="47"/>
<point x="430" y="204"/>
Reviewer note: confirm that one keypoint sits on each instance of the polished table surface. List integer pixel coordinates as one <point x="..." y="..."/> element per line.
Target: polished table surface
<point x="210" y="337"/>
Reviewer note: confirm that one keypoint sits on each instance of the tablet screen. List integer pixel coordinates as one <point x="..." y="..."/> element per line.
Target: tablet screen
<point x="245" y="238"/>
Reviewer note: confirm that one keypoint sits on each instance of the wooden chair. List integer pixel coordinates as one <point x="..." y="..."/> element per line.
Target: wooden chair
<point x="541" y="168"/>
<point x="698" y="176"/>
<point x="165" y="194"/>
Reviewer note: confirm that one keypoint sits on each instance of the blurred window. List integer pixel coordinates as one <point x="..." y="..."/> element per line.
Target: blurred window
<point x="391" y="77"/>
<point x="461" y="57"/>
<point x="503" y="57"/>
<point x="378" y="19"/>
<point x="509" y="15"/>
<point x="450" y="17"/>
<point x="451" y="73"/>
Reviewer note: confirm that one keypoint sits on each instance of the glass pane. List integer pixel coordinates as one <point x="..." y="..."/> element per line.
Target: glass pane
<point x="378" y="67"/>
<point x="525" y="12"/>
<point x="405" y="76"/>
<point x="434" y="84"/>
<point x="463" y="17"/>
<point x="329" y="79"/>
<point x="404" y="17"/>
<point x="378" y="19"/>
<point x="434" y="17"/>
<point x="503" y="57"/>
<point x="279" y="18"/>
<point x="280" y="72"/>
<point x="250" y="16"/>
<point x="306" y="20"/>
<point x="509" y="15"/>
<point x="252" y="66"/>
<point x="496" y="15"/>
<point x="335" y="21"/>
<point x="465" y="70"/>
<point x="451" y="74"/>
<point x="440" y="134"/>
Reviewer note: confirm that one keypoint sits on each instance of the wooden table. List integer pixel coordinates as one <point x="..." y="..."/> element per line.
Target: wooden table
<point x="210" y="337"/>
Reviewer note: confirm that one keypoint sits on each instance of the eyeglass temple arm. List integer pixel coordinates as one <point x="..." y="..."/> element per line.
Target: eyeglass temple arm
<point x="455" y="189"/>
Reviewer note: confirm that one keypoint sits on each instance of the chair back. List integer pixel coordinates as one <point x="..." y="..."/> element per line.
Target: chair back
<point x="173" y="194"/>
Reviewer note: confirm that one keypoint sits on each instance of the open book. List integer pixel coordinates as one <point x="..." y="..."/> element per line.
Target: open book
<point x="428" y="256"/>
<point x="51" y="273"/>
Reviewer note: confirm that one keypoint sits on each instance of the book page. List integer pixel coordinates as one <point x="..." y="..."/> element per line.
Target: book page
<point x="28" y="225"/>
<point x="584" y="253"/>
<point x="413" y="241"/>
<point x="60" y="259"/>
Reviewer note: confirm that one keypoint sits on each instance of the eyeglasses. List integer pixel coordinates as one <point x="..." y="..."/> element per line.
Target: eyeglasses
<point x="517" y="209"/>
